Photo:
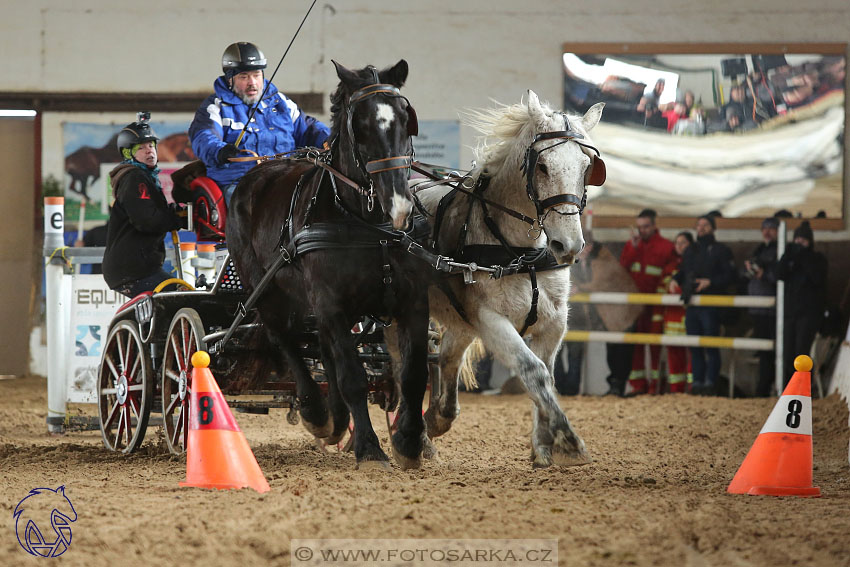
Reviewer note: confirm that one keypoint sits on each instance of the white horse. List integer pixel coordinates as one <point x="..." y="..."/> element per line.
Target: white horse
<point x="547" y="186"/>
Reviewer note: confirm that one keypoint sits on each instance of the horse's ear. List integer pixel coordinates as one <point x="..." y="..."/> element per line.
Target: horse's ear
<point x="347" y="76"/>
<point x="395" y="75"/>
<point x="592" y="116"/>
<point x="535" y="109"/>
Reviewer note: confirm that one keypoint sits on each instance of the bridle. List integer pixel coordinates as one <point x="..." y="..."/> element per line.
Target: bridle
<point x="596" y="175"/>
<point x="369" y="168"/>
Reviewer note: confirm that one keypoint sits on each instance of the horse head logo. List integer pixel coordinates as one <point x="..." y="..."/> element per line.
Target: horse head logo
<point x="43" y="506"/>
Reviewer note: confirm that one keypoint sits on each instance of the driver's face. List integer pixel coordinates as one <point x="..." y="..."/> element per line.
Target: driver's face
<point x="248" y="86"/>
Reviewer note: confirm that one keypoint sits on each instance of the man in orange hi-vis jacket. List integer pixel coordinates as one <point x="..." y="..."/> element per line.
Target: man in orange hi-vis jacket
<point x="645" y="256"/>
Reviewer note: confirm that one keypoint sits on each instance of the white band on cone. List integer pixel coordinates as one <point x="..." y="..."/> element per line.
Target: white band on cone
<point x="791" y="414"/>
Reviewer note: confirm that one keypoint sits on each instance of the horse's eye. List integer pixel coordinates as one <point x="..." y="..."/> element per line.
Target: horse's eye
<point x="543" y="169"/>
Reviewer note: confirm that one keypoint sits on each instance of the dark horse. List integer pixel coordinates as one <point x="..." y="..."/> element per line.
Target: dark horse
<point x="343" y="265"/>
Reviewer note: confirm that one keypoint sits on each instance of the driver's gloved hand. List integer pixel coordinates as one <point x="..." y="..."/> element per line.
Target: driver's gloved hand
<point x="226" y="153"/>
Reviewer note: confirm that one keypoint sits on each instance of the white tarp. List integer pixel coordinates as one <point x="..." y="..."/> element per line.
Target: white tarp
<point x="731" y="172"/>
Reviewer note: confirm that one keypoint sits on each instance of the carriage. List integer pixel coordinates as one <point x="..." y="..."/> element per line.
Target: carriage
<point x="146" y="365"/>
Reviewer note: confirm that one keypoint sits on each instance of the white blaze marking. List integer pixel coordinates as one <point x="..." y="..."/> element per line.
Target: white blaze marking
<point x="401" y="207"/>
<point x="385" y="115"/>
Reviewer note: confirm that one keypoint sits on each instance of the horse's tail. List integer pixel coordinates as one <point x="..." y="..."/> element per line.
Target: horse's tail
<point x="473" y="354"/>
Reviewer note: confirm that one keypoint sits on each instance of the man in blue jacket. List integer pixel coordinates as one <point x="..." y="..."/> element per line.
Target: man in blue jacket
<point x="277" y="126"/>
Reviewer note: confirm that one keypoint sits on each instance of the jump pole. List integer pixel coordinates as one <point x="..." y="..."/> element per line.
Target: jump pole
<point x="54" y="241"/>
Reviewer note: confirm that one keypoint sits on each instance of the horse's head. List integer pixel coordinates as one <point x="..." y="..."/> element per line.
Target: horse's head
<point x="559" y="163"/>
<point x="373" y="124"/>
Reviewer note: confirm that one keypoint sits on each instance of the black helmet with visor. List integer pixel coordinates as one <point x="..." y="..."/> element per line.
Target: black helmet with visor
<point x="240" y="57"/>
<point x="135" y="133"/>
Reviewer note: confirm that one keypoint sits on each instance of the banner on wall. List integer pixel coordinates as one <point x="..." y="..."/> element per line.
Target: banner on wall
<point x="90" y="154"/>
<point x="93" y="305"/>
<point x="438" y="143"/>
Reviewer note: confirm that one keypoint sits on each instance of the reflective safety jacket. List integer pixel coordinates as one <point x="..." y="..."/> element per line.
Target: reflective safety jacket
<point x="277" y="126"/>
<point x="646" y="262"/>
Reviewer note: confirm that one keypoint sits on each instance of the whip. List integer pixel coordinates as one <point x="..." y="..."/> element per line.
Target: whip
<point x="269" y="82"/>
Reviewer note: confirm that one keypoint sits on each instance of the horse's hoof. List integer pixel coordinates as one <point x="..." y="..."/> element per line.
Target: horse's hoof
<point x="407" y="463"/>
<point x="569" y="454"/>
<point x="334" y="438"/>
<point x="564" y="460"/>
<point x="541" y="458"/>
<point x="429" y="451"/>
<point x="436" y="424"/>
<point x="320" y="432"/>
<point x="372" y="466"/>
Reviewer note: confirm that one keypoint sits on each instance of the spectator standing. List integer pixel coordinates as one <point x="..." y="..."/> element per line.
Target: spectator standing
<point x="707" y="268"/>
<point x="760" y="269"/>
<point x="679" y="375"/>
<point x="645" y="256"/>
<point x="804" y="272"/>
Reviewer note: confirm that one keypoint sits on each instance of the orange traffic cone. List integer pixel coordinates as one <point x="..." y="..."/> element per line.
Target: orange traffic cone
<point x="218" y="455"/>
<point x="780" y="461"/>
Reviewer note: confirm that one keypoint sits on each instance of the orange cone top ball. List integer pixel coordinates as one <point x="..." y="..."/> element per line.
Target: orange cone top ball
<point x="803" y="363"/>
<point x="200" y="359"/>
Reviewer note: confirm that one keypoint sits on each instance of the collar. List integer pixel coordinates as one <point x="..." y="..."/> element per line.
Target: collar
<point x="707" y="239"/>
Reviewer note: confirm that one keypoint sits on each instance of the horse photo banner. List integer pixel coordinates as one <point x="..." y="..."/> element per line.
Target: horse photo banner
<point x="90" y="154"/>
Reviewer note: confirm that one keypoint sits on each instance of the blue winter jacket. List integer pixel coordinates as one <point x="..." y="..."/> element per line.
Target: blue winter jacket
<point x="277" y="126"/>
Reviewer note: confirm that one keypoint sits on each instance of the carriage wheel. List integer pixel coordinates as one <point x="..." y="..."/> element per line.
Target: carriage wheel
<point x="185" y="337"/>
<point x="124" y="388"/>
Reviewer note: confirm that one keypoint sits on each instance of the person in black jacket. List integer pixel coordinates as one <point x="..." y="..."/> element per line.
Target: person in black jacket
<point x="760" y="270"/>
<point x="707" y="268"/>
<point x="804" y="272"/>
<point x="140" y="216"/>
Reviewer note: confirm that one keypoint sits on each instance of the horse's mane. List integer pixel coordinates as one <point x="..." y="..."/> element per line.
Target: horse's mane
<point x="338" y="98"/>
<point x="506" y="131"/>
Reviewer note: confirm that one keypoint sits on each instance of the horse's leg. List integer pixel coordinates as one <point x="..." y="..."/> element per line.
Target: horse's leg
<point x="502" y="340"/>
<point x="545" y="436"/>
<point x="339" y="411"/>
<point x="311" y="402"/>
<point x="335" y="334"/>
<point x="391" y="341"/>
<point x="412" y="336"/>
<point x="444" y="408"/>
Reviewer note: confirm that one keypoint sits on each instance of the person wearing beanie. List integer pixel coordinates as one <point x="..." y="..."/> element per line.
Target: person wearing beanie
<point x="707" y="268"/>
<point x="277" y="126"/>
<point x="140" y="217"/>
<point x="760" y="271"/>
<point x="804" y="272"/>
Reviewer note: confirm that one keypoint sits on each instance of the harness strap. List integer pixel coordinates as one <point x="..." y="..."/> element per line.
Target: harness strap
<point x="531" y="318"/>
<point x="387" y="164"/>
<point x="442" y="207"/>
<point x="389" y="290"/>
<point x="458" y="186"/>
<point x="444" y="286"/>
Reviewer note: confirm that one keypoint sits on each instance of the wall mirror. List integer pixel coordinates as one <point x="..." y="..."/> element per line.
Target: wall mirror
<point x="743" y="129"/>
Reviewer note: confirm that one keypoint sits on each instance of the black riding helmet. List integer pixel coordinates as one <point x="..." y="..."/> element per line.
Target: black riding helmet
<point x="135" y="133"/>
<point x="240" y="57"/>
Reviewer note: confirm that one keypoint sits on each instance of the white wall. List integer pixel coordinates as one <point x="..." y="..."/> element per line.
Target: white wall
<point x="461" y="53"/>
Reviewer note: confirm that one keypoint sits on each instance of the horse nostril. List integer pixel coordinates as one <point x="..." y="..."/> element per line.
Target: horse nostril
<point x="556" y="246"/>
